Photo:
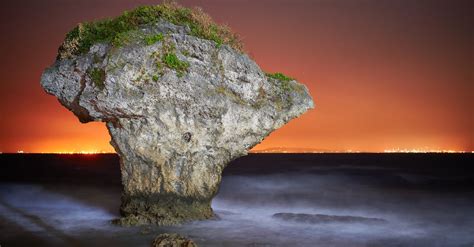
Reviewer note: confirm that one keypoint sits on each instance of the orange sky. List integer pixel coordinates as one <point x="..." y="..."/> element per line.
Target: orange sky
<point x="384" y="74"/>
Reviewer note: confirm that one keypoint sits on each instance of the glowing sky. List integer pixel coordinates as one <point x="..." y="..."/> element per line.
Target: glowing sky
<point x="384" y="74"/>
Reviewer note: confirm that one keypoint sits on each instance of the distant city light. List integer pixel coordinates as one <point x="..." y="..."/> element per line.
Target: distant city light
<point x="87" y="152"/>
<point x="395" y="150"/>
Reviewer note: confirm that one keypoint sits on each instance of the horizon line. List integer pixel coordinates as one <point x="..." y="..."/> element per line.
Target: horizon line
<point x="279" y="152"/>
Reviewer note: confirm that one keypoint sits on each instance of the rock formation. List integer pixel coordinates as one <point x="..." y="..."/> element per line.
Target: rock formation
<point x="172" y="240"/>
<point x="179" y="99"/>
<point x="325" y="219"/>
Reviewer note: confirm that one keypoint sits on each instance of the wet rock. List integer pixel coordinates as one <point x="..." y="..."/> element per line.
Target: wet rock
<point x="172" y="240"/>
<point x="324" y="219"/>
<point x="178" y="111"/>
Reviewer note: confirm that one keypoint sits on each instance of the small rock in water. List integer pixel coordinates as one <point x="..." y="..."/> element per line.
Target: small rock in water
<point x="172" y="240"/>
<point x="322" y="218"/>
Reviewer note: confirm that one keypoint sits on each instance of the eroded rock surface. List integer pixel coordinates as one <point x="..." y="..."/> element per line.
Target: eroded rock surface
<point x="175" y="128"/>
<point x="172" y="240"/>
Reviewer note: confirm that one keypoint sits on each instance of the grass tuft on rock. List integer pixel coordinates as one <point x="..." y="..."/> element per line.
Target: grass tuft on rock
<point x="81" y="38"/>
<point x="98" y="77"/>
<point x="152" y="39"/>
<point x="279" y="76"/>
<point x="283" y="79"/>
<point x="173" y="62"/>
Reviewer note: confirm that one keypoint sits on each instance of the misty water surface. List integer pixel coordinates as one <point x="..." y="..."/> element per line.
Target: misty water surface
<point x="420" y="209"/>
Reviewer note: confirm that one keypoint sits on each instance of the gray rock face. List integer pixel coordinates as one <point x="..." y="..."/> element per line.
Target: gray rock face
<point x="174" y="129"/>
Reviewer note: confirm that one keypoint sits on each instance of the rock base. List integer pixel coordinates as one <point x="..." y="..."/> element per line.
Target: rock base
<point x="162" y="210"/>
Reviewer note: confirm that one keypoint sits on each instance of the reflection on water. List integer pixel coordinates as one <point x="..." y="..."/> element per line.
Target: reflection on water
<point x="79" y="215"/>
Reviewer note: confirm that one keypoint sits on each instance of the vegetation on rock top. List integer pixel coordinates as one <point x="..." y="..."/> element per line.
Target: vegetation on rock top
<point x="283" y="79"/>
<point x="81" y="38"/>
<point x="279" y="76"/>
<point x="151" y="39"/>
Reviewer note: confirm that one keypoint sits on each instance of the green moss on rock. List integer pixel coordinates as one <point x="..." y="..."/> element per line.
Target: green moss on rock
<point x="81" y="38"/>
<point x="167" y="58"/>
<point x="285" y="81"/>
<point x="98" y="77"/>
<point x="152" y="39"/>
<point x="172" y="61"/>
<point x="279" y="76"/>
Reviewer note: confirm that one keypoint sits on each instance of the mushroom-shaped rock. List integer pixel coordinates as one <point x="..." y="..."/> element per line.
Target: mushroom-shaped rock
<point x="179" y="104"/>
